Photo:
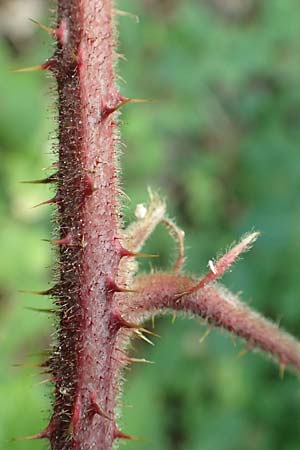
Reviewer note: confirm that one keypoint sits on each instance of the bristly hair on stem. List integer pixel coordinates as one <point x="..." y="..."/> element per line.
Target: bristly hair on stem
<point x="100" y="299"/>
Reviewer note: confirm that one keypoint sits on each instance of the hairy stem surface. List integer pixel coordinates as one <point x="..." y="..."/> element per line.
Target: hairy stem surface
<point x="90" y="252"/>
<point x="220" y="308"/>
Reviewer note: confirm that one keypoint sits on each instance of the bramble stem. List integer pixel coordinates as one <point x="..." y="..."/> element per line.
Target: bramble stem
<point x="83" y="366"/>
<point x="219" y="307"/>
<point x="100" y="302"/>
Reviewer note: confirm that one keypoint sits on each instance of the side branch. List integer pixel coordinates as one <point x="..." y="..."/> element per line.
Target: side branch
<point x="214" y="303"/>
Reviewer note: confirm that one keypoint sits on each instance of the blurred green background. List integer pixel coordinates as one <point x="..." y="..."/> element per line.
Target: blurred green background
<point x="222" y="144"/>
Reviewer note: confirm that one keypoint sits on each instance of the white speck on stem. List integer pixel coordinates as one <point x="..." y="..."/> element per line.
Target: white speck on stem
<point x="140" y="211"/>
<point x="212" y="267"/>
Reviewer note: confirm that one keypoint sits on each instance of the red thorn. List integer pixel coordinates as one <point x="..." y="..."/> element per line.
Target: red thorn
<point x="61" y="33"/>
<point x="119" y="102"/>
<point x="45" y="363"/>
<point x="50" y="64"/>
<point x="117" y="322"/>
<point x="111" y="286"/>
<point x="47" y="65"/>
<point x="120" y="435"/>
<point x="95" y="408"/>
<point x="124" y="252"/>
<point x="50" y="291"/>
<point x="108" y="110"/>
<point x="51" y="179"/>
<point x="44" y="434"/>
<point x="65" y="241"/>
<point x="52" y="200"/>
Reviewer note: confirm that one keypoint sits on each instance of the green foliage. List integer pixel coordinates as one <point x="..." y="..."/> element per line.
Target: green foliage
<point x="222" y="145"/>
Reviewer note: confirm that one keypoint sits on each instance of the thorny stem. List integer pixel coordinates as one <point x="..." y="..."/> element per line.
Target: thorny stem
<point x="220" y="308"/>
<point x="100" y="301"/>
<point x="83" y="363"/>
